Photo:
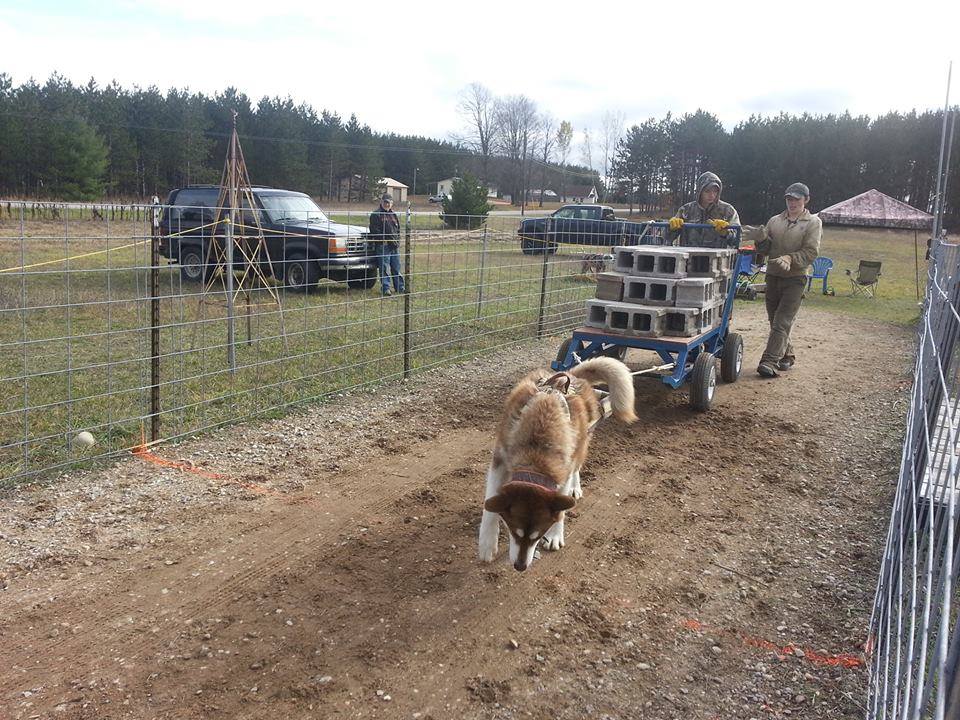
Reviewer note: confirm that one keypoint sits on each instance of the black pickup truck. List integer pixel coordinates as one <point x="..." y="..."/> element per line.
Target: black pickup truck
<point x="302" y="243"/>
<point x="578" y="225"/>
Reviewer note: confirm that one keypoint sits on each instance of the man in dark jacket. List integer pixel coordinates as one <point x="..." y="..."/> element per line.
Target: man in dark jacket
<point x="707" y="209"/>
<point x="385" y="232"/>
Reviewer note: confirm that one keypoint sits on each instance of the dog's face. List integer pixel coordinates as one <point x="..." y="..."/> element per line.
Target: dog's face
<point x="528" y="513"/>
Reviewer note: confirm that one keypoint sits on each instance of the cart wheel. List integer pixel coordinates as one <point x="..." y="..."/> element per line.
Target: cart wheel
<point x="703" y="381"/>
<point x="564" y="348"/>
<point x="731" y="361"/>
<point x="617" y="351"/>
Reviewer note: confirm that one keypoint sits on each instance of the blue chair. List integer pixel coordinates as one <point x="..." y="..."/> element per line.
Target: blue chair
<point x="821" y="268"/>
<point x="747" y="272"/>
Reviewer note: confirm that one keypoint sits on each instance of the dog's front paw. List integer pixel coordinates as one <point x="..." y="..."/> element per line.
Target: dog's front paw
<point x="553" y="540"/>
<point x="488" y="551"/>
<point x="576" y="489"/>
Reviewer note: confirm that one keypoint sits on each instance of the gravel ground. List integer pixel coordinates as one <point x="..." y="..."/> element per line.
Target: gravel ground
<point x="324" y="565"/>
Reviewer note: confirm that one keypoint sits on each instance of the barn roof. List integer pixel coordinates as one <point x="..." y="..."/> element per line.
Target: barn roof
<point x="874" y="209"/>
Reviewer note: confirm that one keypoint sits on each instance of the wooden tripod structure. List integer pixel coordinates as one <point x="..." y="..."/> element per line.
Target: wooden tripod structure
<point x="236" y="195"/>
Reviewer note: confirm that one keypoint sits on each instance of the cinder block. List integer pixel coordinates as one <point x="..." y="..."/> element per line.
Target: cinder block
<point x="723" y="286"/>
<point x="623" y="259"/>
<point x="687" y="322"/>
<point x="697" y="292"/>
<point x="597" y="313"/>
<point x="652" y="260"/>
<point x="610" y="286"/>
<point x="626" y="318"/>
<point x="706" y="262"/>
<point x="645" y="290"/>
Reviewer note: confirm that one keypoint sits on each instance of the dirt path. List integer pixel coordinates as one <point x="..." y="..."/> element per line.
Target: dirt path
<point x="331" y="572"/>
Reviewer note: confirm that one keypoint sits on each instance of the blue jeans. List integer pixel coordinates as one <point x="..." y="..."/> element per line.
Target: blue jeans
<point x="390" y="266"/>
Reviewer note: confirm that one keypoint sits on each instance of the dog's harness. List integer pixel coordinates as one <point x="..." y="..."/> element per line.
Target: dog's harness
<point x="561" y="384"/>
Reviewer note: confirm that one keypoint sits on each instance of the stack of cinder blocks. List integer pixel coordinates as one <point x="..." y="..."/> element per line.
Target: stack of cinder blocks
<point x="656" y="291"/>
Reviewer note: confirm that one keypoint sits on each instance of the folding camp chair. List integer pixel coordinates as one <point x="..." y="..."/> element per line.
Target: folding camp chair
<point x="864" y="282"/>
<point x="821" y="268"/>
<point x="747" y="272"/>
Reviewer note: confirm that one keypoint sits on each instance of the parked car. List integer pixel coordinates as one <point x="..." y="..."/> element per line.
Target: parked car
<point x="438" y="198"/>
<point x="578" y="225"/>
<point x="303" y="244"/>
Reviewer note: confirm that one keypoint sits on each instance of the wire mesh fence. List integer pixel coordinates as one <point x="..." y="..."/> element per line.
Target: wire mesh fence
<point x="915" y="638"/>
<point x="132" y="330"/>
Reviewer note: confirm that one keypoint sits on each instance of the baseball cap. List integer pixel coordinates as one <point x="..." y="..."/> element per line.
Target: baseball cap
<point x="798" y="190"/>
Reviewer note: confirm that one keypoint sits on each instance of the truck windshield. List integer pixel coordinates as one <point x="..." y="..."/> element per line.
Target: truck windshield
<point x="292" y="208"/>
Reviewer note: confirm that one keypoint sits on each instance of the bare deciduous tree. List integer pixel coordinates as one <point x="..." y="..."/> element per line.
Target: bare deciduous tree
<point x="611" y="126"/>
<point x="547" y="140"/>
<point x="587" y="149"/>
<point x="477" y="106"/>
<point x="516" y="120"/>
<point x="564" y="141"/>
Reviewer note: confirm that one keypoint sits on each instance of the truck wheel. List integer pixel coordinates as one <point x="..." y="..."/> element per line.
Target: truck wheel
<point x="529" y="247"/>
<point x="363" y="280"/>
<point x="703" y="381"/>
<point x="192" y="266"/>
<point x="731" y="360"/>
<point x="300" y="274"/>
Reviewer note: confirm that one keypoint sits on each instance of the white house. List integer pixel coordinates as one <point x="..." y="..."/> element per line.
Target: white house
<point x="395" y="188"/>
<point x="580" y="194"/>
<point x="445" y="187"/>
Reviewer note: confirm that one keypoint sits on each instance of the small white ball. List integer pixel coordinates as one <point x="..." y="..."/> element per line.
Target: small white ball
<point x="84" y="438"/>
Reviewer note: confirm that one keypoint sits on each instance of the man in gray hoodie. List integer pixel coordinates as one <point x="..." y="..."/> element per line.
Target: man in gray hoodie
<point x="707" y="209"/>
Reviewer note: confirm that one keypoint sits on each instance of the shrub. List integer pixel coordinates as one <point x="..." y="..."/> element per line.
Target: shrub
<point x="466" y="207"/>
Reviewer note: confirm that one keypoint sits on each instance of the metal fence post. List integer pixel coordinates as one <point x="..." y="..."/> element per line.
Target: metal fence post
<point x="231" y="320"/>
<point x="406" y="296"/>
<point x="543" y="282"/>
<point x="155" y="322"/>
<point x="483" y="262"/>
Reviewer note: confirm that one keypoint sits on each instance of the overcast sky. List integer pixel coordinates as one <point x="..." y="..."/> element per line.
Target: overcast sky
<point x="400" y="65"/>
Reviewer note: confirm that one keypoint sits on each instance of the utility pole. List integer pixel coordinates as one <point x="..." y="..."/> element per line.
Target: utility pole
<point x="415" y="180"/>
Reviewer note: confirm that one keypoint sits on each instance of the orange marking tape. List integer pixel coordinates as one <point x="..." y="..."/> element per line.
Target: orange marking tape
<point x="843" y="660"/>
<point x="142" y="451"/>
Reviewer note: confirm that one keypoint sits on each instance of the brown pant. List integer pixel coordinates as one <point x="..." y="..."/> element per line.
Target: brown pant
<point x="783" y="303"/>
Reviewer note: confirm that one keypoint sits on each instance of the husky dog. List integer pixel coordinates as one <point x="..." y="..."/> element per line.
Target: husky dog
<point x="542" y="441"/>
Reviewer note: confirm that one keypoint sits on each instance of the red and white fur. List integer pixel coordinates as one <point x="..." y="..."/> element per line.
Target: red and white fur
<point x="542" y="442"/>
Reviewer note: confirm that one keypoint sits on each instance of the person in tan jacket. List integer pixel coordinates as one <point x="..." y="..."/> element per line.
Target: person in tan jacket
<point x="791" y="242"/>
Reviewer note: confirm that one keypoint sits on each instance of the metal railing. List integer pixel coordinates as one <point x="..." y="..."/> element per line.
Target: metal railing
<point x="125" y="329"/>
<point x="914" y="642"/>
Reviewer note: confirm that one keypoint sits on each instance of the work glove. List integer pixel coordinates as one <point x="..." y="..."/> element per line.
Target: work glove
<point x="676" y="223"/>
<point x="782" y="262"/>
<point x="720" y="226"/>
<point x="755" y="235"/>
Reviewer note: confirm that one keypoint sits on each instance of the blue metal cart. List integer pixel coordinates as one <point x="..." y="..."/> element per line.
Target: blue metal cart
<point x="692" y="359"/>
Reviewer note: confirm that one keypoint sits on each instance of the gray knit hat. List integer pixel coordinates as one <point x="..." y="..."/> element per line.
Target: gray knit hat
<point x="387" y="197"/>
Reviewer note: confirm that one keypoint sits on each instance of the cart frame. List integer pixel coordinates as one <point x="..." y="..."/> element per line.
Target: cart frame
<point x="687" y="358"/>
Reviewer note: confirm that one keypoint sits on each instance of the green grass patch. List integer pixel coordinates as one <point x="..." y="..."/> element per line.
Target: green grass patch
<point x="896" y="298"/>
<point x="75" y="337"/>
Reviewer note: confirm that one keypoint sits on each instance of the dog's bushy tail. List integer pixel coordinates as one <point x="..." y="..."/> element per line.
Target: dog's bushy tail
<point x="616" y="376"/>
